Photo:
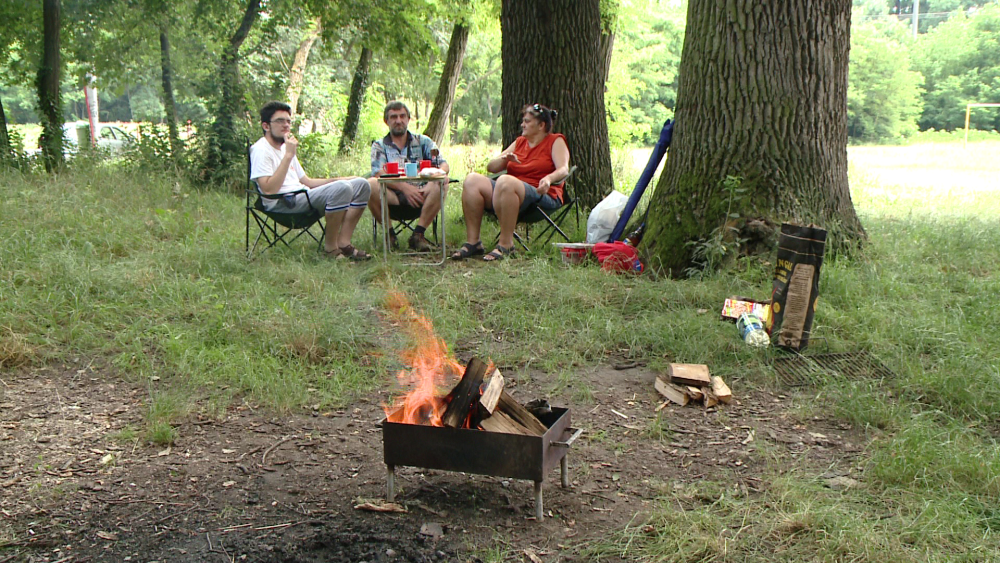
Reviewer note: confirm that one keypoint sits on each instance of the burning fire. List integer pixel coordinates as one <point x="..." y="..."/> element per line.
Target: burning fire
<point x="432" y="369"/>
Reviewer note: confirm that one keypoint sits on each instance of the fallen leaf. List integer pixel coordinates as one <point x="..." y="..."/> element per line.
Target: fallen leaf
<point x="107" y="536"/>
<point x="532" y="556"/>
<point x="228" y="484"/>
<point x="107" y="459"/>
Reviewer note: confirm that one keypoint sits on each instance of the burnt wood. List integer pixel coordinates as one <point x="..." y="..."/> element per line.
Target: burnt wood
<point x="460" y="398"/>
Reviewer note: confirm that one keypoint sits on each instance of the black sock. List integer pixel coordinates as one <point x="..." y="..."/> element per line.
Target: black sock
<point x="419" y="230"/>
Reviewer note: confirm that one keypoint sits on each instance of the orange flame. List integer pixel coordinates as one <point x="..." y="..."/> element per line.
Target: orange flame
<point x="432" y="367"/>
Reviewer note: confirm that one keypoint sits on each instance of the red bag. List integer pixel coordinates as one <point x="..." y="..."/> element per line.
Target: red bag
<point x="617" y="257"/>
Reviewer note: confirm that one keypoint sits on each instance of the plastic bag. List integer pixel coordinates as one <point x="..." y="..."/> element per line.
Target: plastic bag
<point x="604" y="217"/>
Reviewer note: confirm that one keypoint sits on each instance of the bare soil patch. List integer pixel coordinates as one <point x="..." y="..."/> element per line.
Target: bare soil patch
<point x="254" y="485"/>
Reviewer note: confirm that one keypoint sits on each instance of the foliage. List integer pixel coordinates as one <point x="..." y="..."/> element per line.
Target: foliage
<point x="723" y="243"/>
<point x="883" y="95"/>
<point x="642" y="82"/>
<point x="959" y="61"/>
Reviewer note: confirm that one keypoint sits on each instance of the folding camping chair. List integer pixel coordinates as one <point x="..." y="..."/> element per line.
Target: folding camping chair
<point x="406" y="218"/>
<point x="552" y="218"/>
<point x="276" y="227"/>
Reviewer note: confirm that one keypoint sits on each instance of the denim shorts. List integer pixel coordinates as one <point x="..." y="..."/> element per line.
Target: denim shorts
<point x="531" y="197"/>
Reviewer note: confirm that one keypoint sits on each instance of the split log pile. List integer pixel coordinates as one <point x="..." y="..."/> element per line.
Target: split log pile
<point x="692" y="383"/>
<point x="480" y="401"/>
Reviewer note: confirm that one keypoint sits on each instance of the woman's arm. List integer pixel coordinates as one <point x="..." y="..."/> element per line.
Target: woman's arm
<point x="499" y="164"/>
<point x="560" y="157"/>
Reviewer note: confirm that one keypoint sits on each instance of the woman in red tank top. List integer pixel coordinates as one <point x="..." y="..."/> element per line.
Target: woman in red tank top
<point x="536" y="164"/>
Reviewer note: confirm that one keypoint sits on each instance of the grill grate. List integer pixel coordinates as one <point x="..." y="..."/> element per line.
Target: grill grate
<point x="799" y="371"/>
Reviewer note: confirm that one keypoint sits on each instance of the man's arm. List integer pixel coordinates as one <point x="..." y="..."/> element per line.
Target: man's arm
<point x="272" y="184"/>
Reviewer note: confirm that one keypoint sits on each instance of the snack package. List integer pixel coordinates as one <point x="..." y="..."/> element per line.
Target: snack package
<point x="733" y="307"/>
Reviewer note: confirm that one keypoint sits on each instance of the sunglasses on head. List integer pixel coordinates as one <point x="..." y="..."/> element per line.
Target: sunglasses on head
<point x="540" y="110"/>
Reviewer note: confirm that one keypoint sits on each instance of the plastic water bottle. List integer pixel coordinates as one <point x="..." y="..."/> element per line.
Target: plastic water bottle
<point x="752" y="331"/>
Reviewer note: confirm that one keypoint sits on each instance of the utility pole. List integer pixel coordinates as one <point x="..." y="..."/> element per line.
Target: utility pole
<point x="916" y="14"/>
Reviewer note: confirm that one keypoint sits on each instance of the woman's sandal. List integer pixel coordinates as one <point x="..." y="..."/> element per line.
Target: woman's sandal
<point x="354" y="254"/>
<point x="468" y="250"/>
<point x="499" y="253"/>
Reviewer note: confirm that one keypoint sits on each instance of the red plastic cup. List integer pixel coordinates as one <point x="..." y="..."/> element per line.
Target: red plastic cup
<point x="392" y="168"/>
<point x="424" y="164"/>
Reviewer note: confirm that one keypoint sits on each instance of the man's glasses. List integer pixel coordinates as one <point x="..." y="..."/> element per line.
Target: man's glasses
<point x="281" y="121"/>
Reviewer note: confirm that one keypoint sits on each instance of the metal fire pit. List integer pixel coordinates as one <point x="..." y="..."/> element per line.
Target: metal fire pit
<point x="480" y="452"/>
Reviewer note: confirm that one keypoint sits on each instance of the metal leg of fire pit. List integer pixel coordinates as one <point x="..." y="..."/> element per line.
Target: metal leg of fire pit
<point x="539" y="507"/>
<point x="564" y="469"/>
<point x="390" y="483"/>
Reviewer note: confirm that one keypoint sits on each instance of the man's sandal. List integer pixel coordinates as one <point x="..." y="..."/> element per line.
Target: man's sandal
<point x="468" y="250"/>
<point x="499" y="253"/>
<point x="354" y="254"/>
<point x="332" y="254"/>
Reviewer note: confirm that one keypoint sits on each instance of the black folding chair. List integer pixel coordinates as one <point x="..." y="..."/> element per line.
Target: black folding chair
<point x="405" y="218"/>
<point x="274" y="227"/>
<point x="552" y="218"/>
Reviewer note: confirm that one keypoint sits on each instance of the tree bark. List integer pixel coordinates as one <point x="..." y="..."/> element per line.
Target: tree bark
<point x="225" y="144"/>
<point x="49" y="100"/>
<point x="5" y="148"/>
<point x="169" y="105"/>
<point x="550" y="50"/>
<point x="762" y="98"/>
<point x="358" y="87"/>
<point x="295" y="77"/>
<point x="437" y="124"/>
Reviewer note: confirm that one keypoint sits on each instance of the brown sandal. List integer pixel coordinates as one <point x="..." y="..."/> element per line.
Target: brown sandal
<point x="354" y="254"/>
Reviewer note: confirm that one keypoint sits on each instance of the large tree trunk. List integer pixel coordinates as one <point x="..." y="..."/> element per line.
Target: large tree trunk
<point x="295" y="77"/>
<point x="438" y="121"/>
<point x="550" y="50"/>
<point x="5" y="148"/>
<point x="169" y="106"/>
<point x="226" y="148"/>
<point x="762" y="98"/>
<point x="358" y="87"/>
<point x="49" y="100"/>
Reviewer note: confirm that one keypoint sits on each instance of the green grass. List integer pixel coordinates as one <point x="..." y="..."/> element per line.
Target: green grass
<point x="147" y="277"/>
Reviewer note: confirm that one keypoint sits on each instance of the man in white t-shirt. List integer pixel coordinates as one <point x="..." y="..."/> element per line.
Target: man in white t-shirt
<point x="275" y="168"/>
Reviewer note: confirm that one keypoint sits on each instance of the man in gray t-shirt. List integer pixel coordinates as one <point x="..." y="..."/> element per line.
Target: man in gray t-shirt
<point x="275" y="168"/>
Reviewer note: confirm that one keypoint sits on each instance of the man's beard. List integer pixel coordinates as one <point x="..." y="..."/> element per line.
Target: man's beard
<point x="278" y="139"/>
<point x="398" y="130"/>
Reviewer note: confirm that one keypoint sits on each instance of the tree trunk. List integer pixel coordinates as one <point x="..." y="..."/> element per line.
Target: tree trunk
<point x="438" y="121"/>
<point x="762" y="98"/>
<point x="226" y="148"/>
<point x="358" y="87"/>
<point x="297" y="73"/>
<point x="169" y="106"/>
<point x="5" y="148"/>
<point x="49" y="100"/>
<point x="550" y="49"/>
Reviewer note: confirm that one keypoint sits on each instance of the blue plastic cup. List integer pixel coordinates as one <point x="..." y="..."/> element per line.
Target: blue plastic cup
<point x="411" y="169"/>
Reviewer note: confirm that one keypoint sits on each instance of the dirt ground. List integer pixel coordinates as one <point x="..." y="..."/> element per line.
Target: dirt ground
<point x="256" y="486"/>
